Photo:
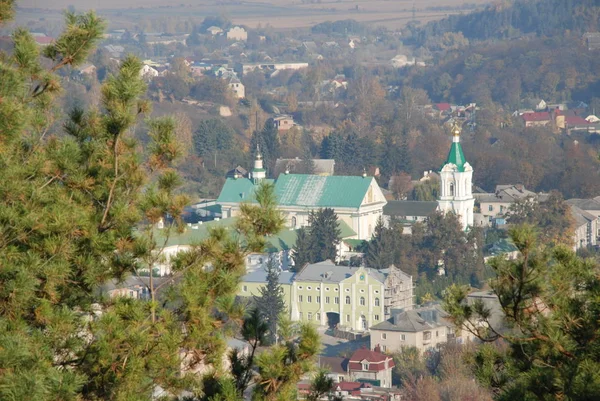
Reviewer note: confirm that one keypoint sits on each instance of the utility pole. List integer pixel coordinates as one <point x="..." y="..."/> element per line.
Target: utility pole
<point x="414" y="12"/>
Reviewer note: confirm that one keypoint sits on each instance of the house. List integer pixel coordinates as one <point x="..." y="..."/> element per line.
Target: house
<point x="340" y="297"/>
<point x="358" y="201"/>
<point x="238" y="172"/>
<point x="423" y="328"/>
<point x="322" y="167"/>
<point x="536" y="119"/>
<point x="214" y="30"/>
<point x="503" y="247"/>
<point x="443" y="108"/>
<point x="496" y="205"/>
<point x="245" y="68"/>
<point x="336" y="366"/>
<point x="237" y="33"/>
<point x="371" y="366"/>
<point x="237" y="88"/>
<point x="586" y="228"/>
<point x="402" y="60"/>
<point x="411" y="211"/>
<point x="283" y="122"/>
<point x="43" y="40"/>
<point x="148" y="72"/>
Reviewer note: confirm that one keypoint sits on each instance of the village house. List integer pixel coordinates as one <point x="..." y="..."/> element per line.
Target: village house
<point x="237" y="33"/>
<point x="237" y="88"/>
<point x="364" y="366"/>
<point x="148" y="72"/>
<point x="536" y="119"/>
<point x="409" y="211"/>
<point x="244" y="68"/>
<point x="87" y="69"/>
<point x="586" y="227"/>
<point x="495" y="205"/>
<point x="283" y="122"/>
<point x="423" y="328"/>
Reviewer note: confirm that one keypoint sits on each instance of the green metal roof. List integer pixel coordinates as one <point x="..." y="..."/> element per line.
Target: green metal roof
<point x="456" y="156"/>
<point x="313" y="191"/>
<point x="237" y="190"/>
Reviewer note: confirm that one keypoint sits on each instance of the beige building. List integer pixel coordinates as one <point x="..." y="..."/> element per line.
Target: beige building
<point x="237" y="33"/>
<point x="592" y="208"/>
<point x="586" y="228"/>
<point x="283" y="123"/>
<point x="422" y="328"/>
<point x="496" y="205"/>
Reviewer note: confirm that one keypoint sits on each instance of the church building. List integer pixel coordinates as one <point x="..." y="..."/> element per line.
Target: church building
<point x="456" y="181"/>
<point x="358" y="201"/>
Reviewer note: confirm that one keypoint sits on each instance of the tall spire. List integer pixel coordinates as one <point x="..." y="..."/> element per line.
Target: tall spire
<point x="258" y="172"/>
<point x="456" y="156"/>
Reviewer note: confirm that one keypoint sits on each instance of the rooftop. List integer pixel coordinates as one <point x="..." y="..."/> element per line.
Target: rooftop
<point x="409" y="208"/>
<point x="329" y="272"/>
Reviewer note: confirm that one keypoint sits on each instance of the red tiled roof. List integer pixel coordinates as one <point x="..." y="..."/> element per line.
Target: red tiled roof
<point x="351" y="386"/>
<point x="443" y="106"/>
<point x="376" y="360"/>
<point x="537" y="116"/>
<point x="576" y="120"/>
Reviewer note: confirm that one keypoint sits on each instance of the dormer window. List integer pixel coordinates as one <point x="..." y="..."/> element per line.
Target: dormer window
<point x="365" y="366"/>
<point x="451" y="189"/>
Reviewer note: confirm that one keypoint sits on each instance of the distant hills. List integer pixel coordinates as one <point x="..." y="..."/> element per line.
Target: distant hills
<point x="509" y="19"/>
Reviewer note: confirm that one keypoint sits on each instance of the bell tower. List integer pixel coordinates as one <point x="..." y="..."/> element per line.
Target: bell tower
<point x="456" y="176"/>
<point x="258" y="172"/>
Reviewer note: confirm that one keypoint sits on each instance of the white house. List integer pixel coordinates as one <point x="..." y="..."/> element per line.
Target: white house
<point x="237" y="33"/>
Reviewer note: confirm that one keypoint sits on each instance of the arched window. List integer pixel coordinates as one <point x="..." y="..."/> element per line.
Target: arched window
<point x="362" y="301"/>
<point x="451" y="189"/>
<point x="347" y="300"/>
<point x="294" y="222"/>
<point x="376" y="301"/>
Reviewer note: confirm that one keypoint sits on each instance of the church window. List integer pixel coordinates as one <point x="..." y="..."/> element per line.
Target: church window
<point x="294" y="222"/>
<point x="362" y="301"/>
<point x="347" y="300"/>
<point x="451" y="189"/>
<point x="376" y="301"/>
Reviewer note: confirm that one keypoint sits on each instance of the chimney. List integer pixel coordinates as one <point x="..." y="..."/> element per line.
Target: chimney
<point x="377" y="348"/>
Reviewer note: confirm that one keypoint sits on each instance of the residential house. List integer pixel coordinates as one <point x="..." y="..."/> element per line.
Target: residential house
<point x="148" y="72"/>
<point x="402" y="60"/>
<point x="43" y="40"/>
<point x="283" y="122"/>
<point x="358" y="201"/>
<point x="238" y="172"/>
<point x="237" y="88"/>
<point x="115" y="51"/>
<point x="496" y="205"/>
<point x="536" y="119"/>
<point x="503" y="247"/>
<point x="237" y="33"/>
<point x="322" y="167"/>
<point x="423" y="328"/>
<point x="214" y="30"/>
<point x="336" y="366"/>
<point x="586" y="228"/>
<point x="371" y="366"/>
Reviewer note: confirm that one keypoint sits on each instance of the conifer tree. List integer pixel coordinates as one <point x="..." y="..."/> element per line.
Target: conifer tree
<point x="270" y="303"/>
<point x="380" y="250"/>
<point x="549" y="300"/>
<point x="325" y="233"/>
<point x="303" y="251"/>
<point x="78" y="210"/>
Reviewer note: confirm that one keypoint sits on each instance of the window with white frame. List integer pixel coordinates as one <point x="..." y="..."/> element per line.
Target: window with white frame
<point x="376" y="301"/>
<point x="327" y="300"/>
<point x="318" y="299"/>
<point x="299" y="298"/>
<point x="337" y="300"/>
<point x="347" y="300"/>
<point x="309" y="299"/>
<point x="362" y="301"/>
<point x="309" y="316"/>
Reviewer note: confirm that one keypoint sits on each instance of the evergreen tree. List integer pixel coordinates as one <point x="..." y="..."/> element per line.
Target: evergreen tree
<point x="325" y="234"/>
<point x="270" y="303"/>
<point x="79" y="208"/>
<point x="549" y="298"/>
<point x="380" y="250"/>
<point x="303" y="251"/>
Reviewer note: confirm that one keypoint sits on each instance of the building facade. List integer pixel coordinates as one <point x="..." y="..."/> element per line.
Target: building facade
<point x="456" y="181"/>
<point x="358" y="201"/>
<point x="342" y="297"/>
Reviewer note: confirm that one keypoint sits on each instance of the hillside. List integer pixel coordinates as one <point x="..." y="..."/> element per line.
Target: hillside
<point x="508" y="19"/>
